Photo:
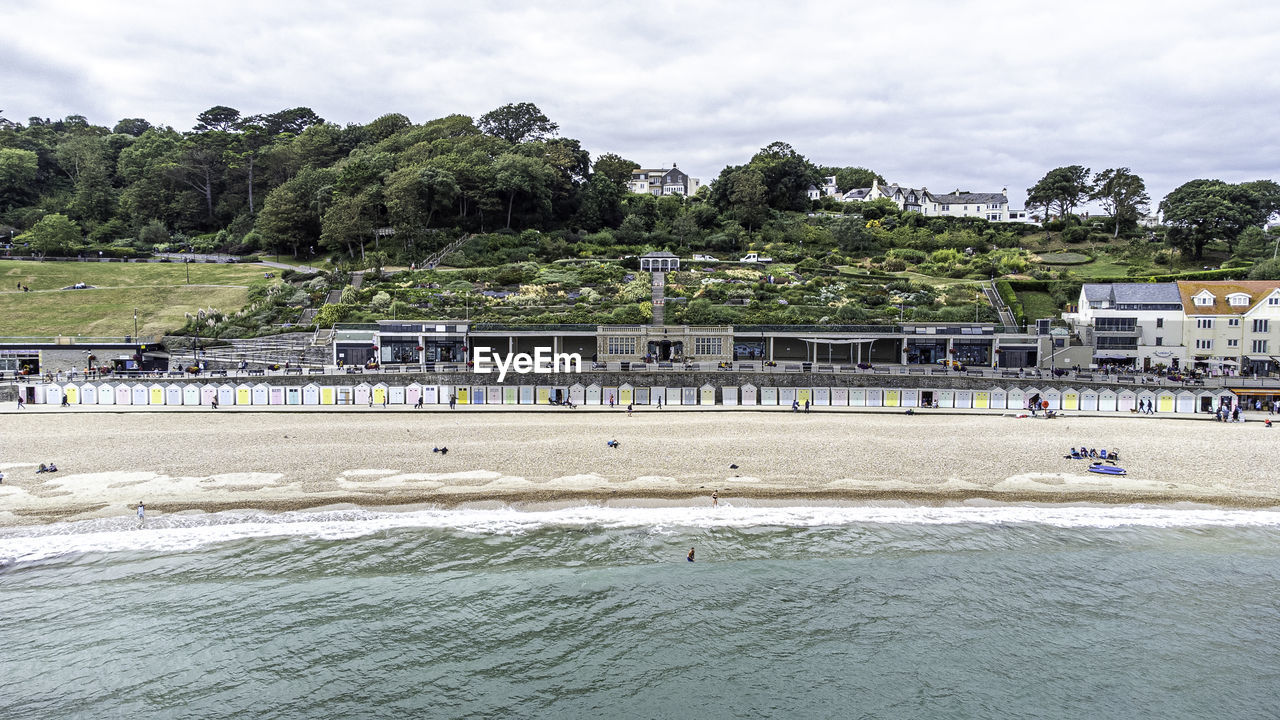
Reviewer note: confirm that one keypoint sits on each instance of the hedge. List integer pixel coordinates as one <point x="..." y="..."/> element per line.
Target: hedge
<point x="1236" y="273"/>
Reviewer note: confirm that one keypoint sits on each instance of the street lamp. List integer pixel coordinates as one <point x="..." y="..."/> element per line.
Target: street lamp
<point x="186" y="263"/>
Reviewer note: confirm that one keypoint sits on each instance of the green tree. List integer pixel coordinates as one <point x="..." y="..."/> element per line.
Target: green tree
<point x="786" y="175"/>
<point x="601" y="203"/>
<point x="519" y="175"/>
<point x="517" y="123"/>
<point x="1122" y="194"/>
<point x="54" y="234"/>
<point x="850" y="178"/>
<point x="18" y="169"/>
<point x="413" y="195"/>
<point x="132" y="126"/>
<point x="1061" y="189"/>
<point x="1200" y="211"/>
<point x="615" y="168"/>
<point x="347" y="223"/>
<point x="748" y="197"/>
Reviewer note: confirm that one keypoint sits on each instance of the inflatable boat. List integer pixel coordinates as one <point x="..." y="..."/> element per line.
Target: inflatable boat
<point x="1106" y="469"/>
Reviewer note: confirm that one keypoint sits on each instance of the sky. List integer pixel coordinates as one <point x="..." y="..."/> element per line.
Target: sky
<point x="947" y="95"/>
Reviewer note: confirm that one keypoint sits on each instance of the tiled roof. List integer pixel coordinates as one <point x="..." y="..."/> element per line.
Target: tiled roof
<point x="960" y="198"/>
<point x="1257" y="290"/>
<point x="1132" y="293"/>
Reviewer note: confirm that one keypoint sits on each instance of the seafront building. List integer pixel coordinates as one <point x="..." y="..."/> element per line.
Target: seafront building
<point x="663" y="181"/>
<point x="993" y="207"/>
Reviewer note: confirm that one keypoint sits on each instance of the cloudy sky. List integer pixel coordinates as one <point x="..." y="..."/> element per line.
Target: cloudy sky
<point x="970" y="95"/>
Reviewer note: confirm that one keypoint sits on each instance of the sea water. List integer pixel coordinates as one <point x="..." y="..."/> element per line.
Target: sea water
<point x="594" y="612"/>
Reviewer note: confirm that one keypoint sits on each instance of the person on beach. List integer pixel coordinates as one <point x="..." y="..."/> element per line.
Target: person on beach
<point x="66" y="402"/>
<point x="21" y="405"/>
<point x="611" y="400"/>
<point x="689" y="557"/>
<point x="715" y="498"/>
<point x="418" y="404"/>
<point x="659" y="402"/>
<point x="806" y="406"/>
<point x="629" y="408"/>
<point x="2" y="472"/>
<point x="142" y="514"/>
<point x="453" y="400"/>
<point x="612" y="444"/>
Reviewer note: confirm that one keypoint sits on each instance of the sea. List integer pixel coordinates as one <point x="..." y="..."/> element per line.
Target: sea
<point x="890" y="611"/>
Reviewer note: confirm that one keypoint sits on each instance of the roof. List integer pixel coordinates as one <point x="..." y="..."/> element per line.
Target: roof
<point x="1257" y="290"/>
<point x="960" y="198"/>
<point x="1132" y="293"/>
<point x="659" y="254"/>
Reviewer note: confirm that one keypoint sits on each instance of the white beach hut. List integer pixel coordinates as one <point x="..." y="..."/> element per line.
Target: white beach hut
<point x="749" y="395"/>
<point x="1089" y="400"/>
<point x="689" y="396"/>
<point x="362" y="393"/>
<point x="208" y="393"/>
<point x="857" y="397"/>
<point x="106" y="394"/>
<point x="840" y="397"/>
<point x="1185" y="402"/>
<point x="190" y="394"/>
<point x="786" y="396"/>
<point x="123" y="394"/>
<point x="592" y="395"/>
<point x="656" y="393"/>
<point x="945" y="398"/>
<point x="493" y="395"/>
<point x="1053" y="396"/>
<point x="609" y="395"/>
<point x="173" y="394"/>
<point x="1017" y="399"/>
<point x="1126" y="401"/>
<point x="53" y="394"/>
<point x="1225" y="398"/>
<point x="875" y="397"/>
<point x="311" y="394"/>
<point x="642" y="396"/>
<point x="527" y="396"/>
<point x="578" y="394"/>
<point x="1146" y="396"/>
<point x="1206" y="401"/>
<point x="911" y="397"/>
<point x="999" y="398"/>
<point x="822" y="396"/>
<point x="396" y="395"/>
<point x="275" y="395"/>
<point x="1108" y="400"/>
<point x="258" y="396"/>
<point x="707" y="394"/>
<point x="729" y="395"/>
<point x="964" y="398"/>
<point x="673" y="396"/>
<point x="1165" y="401"/>
<point x="88" y="394"/>
<point x="431" y="394"/>
<point x="138" y="395"/>
<point x="769" y="396"/>
<point x="226" y="394"/>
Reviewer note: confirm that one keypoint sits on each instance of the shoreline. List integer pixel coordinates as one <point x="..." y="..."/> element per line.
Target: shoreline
<point x="288" y="462"/>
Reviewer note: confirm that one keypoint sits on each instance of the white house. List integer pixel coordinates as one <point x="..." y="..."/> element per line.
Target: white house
<point x="1137" y="324"/>
<point x="663" y="181"/>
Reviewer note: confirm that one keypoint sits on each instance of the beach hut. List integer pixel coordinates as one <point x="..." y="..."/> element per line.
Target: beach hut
<point x="361" y="394"/>
<point x="875" y="397"/>
<point x="226" y="394"/>
<point x="396" y="395"/>
<point x="1165" y="400"/>
<point x="123" y="394"/>
<point x="173" y="394"/>
<point x="208" y="393"/>
<point x="1225" y="398"/>
<point x="509" y="394"/>
<point x="673" y="396"/>
<point x="768" y="396"/>
<point x="379" y="393"/>
<point x="592" y="395"/>
<point x="1089" y="400"/>
<point x="258" y="395"/>
<point x="1146" y="396"/>
<point x="526" y="395"/>
<point x="999" y="399"/>
<point x="53" y="394"/>
<point x="275" y="395"/>
<point x="892" y="398"/>
<point x="1053" y="396"/>
<point x="1206" y="401"/>
<point x="462" y="394"/>
<point x="542" y="395"/>
<point x="964" y="399"/>
<point x="293" y="396"/>
<point x="626" y="394"/>
<point x="493" y="395"/>
<point x="657" y="393"/>
<point x="822" y="396"/>
<point x="72" y="391"/>
<point x="106" y="394"/>
<point x="443" y="393"/>
<point x="804" y="395"/>
<point x="155" y="394"/>
<point x="786" y="396"/>
<point x="609" y="395"/>
<point x="642" y="396"/>
<point x="138" y="394"/>
<point x="344" y="395"/>
<point x="729" y="396"/>
<point x="88" y="394"/>
<point x="578" y="394"/>
<point x="1185" y="402"/>
<point x="982" y="399"/>
<point x="328" y="395"/>
<point x="707" y="394"/>
<point x="479" y="395"/>
<point x="1017" y="399"/>
<point x="1126" y="401"/>
<point x="430" y="394"/>
<point x="244" y="394"/>
<point x="910" y="398"/>
<point x="857" y="397"/>
<point x="1108" y="401"/>
<point x="945" y="398"/>
<point x="412" y="393"/>
<point x="199" y="394"/>
<point x="840" y="397"/>
<point x="749" y="395"/>
<point x="689" y="396"/>
<point x="1070" y="399"/>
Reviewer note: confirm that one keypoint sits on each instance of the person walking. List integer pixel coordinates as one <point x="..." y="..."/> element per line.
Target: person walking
<point x="142" y="514"/>
<point x="453" y="400"/>
<point x="629" y="408"/>
<point x="21" y="404"/>
<point x="806" y="407"/>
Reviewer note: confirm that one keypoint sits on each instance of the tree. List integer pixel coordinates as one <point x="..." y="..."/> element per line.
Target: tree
<point x="601" y="203"/>
<point x="748" y="197"/>
<point x="615" y="167"/>
<point x="1202" y="210"/>
<point x="1122" y="194"/>
<point x="856" y="177"/>
<point x="347" y="222"/>
<point x="517" y="174"/>
<point x="1062" y="189"/>
<point x="18" y="169"/>
<point x="414" y="194"/>
<point x="218" y="118"/>
<point x="517" y="123"/>
<point x="54" y="233"/>
<point x="786" y="175"/>
<point x="132" y="126"/>
<point x="291" y="121"/>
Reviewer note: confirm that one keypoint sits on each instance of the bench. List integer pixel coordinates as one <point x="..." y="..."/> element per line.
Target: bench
<point x="315" y="371"/>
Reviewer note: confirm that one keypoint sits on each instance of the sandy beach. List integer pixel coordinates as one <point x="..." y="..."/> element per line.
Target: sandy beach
<point x="176" y="462"/>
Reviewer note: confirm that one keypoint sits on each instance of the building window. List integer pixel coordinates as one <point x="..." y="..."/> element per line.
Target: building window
<point x="621" y="345"/>
<point x="1261" y="326"/>
<point x="1204" y="323"/>
<point x="1204" y="344"/>
<point x="946" y="208"/>
<point x="1204" y="299"/>
<point x="1233" y="322"/>
<point x="1159" y="322"/>
<point x="1233" y="342"/>
<point x="1273" y="300"/>
<point x="708" y="346"/>
<point x="1159" y="341"/>
<point x="1116" y="324"/>
<point x="1237" y="299"/>
<point x="1260" y="346"/>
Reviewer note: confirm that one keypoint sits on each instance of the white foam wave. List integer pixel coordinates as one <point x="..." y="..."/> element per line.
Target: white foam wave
<point x="181" y="533"/>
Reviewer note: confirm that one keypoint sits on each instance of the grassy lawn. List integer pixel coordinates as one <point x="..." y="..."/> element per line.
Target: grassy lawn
<point x="1038" y="305"/>
<point x="157" y="290"/>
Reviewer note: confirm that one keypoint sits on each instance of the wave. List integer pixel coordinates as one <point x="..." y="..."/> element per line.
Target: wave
<point x="179" y="533"/>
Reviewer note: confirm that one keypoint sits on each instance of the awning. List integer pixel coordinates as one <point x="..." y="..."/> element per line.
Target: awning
<point x="1114" y="356"/>
<point x="1260" y="358"/>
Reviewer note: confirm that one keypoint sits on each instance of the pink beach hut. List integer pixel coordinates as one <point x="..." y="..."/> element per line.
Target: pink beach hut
<point x="749" y="394"/>
<point x="208" y="393"/>
<point x="275" y="395"/>
<point x="362" y="394"/>
<point x="123" y="395"/>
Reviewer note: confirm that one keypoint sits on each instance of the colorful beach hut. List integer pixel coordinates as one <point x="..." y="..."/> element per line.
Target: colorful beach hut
<point x="1126" y="401"/>
<point x="72" y="391"/>
<point x="106" y="394"/>
<point x="609" y="394"/>
<point x="1165" y="401"/>
<point x="527" y="394"/>
<point x="892" y="398"/>
<point x="840" y="397"/>
<point x="208" y="393"/>
<point x="311" y="394"/>
<point x="275" y="395"/>
<point x="173" y="394"/>
<point x="412" y="392"/>
<point x="361" y="394"/>
<point x="1108" y="401"/>
<point x="293" y="395"/>
<point x="749" y="395"/>
<point x="258" y="395"/>
<point x="190" y="394"/>
<point x="542" y="394"/>
<point x="380" y="394"/>
<point x="494" y="395"/>
<point x="982" y="399"/>
<point x="626" y="394"/>
<point x="123" y="394"/>
<point x="707" y="394"/>
<point x="510" y="395"/>
<point x="857" y="397"/>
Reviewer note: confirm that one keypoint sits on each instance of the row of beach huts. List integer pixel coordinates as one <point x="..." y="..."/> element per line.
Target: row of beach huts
<point x="1014" y="398"/>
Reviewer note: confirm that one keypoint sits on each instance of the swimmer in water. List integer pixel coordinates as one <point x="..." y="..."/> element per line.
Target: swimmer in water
<point x="690" y="557"/>
<point x="715" y="498"/>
